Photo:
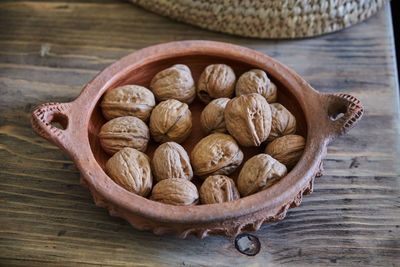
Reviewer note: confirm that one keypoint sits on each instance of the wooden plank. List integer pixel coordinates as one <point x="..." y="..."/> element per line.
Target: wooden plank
<point x="50" y="49"/>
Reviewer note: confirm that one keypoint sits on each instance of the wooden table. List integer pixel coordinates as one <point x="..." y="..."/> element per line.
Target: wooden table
<point x="49" y="49"/>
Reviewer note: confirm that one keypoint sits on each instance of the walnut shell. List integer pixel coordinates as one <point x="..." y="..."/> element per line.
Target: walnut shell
<point x="274" y="96"/>
<point x="123" y="132"/>
<point x="216" y="154"/>
<point x="171" y="120"/>
<point x="287" y="149"/>
<point x="128" y="100"/>
<point x="175" y="82"/>
<point x="256" y="81"/>
<point x="175" y="191"/>
<point x="130" y="169"/>
<point x="212" y="117"/>
<point x="283" y="122"/>
<point x="259" y="173"/>
<point x="170" y="160"/>
<point x="216" y="81"/>
<point x="218" y="189"/>
<point x="248" y="119"/>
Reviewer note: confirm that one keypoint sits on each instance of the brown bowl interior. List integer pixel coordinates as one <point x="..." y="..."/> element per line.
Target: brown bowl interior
<point x="143" y="75"/>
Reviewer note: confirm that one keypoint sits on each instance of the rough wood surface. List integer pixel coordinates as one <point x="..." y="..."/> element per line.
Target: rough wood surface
<point x="50" y="49"/>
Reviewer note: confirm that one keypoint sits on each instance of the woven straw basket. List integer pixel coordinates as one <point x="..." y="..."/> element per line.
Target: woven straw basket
<point x="267" y="18"/>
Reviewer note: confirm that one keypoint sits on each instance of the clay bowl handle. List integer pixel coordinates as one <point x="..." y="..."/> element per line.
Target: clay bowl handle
<point x="44" y="115"/>
<point x="343" y="112"/>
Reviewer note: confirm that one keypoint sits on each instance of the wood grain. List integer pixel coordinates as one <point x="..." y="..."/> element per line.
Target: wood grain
<point x="50" y="49"/>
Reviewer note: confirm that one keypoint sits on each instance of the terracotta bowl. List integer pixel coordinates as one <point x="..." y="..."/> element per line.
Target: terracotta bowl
<point x="320" y="118"/>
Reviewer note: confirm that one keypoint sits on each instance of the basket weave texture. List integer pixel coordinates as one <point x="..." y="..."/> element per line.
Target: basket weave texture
<point x="267" y="18"/>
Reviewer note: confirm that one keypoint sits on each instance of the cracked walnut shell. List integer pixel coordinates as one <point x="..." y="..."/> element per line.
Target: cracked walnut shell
<point x="130" y="169"/>
<point x="218" y="189"/>
<point x="256" y="81"/>
<point x="259" y="173"/>
<point x="212" y="117"/>
<point x="123" y="132"/>
<point x="216" y="81"/>
<point x="171" y="120"/>
<point x="175" y="82"/>
<point x="170" y="160"/>
<point x="128" y="100"/>
<point x="175" y="191"/>
<point x="283" y="122"/>
<point x="248" y="119"/>
<point x="216" y="154"/>
<point x="287" y="149"/>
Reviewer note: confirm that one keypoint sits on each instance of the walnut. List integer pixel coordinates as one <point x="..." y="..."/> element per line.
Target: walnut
<point x="248" y="119"/>
<point x="274" y="97"/>
<point x="212" y="117"/>
<point x="218" y="189"/>
<point x="175" y="82"/>
<point x="256" y="81"/>
<point x="170" y="120"/>
<point x="259" y="173"/>
<point x="216" y="81"/>
<point x="283" y="122"/>
<point x="130" y="169"/>
<point x="216" y="154"/>
<point x="128" y="100"/>
<point x="175" y="191"/>
<point x="123" y="132"/>
<point x="287" y="149"/>
<point x="170" y="160"/>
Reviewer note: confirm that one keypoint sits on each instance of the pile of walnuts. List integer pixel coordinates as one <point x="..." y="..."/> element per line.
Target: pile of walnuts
<point x="241" y="113"/>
